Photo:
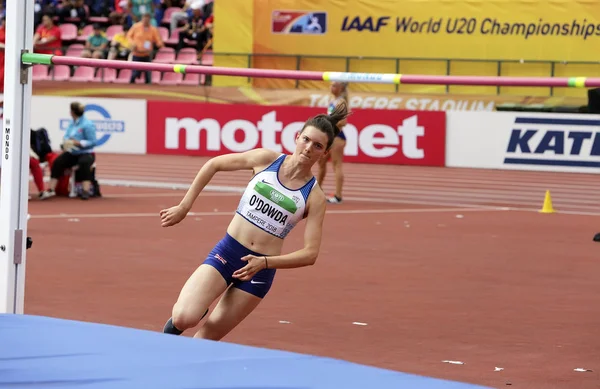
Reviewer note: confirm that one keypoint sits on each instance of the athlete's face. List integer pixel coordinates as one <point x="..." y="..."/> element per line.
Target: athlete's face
<point x="311" y="144"/>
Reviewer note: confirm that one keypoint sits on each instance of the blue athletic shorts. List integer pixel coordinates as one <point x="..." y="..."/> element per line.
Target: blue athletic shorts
<point x="226" y="258"/>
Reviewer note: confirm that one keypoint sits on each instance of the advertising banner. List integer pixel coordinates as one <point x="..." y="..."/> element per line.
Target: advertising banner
<point x="120" y="123"/>
<point x="567" y="30"/>
<point x="380" y="137"/>
<point x="524" y="141"/>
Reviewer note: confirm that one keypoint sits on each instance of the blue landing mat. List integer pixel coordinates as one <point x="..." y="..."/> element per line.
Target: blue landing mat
<point x="42" y="352"/>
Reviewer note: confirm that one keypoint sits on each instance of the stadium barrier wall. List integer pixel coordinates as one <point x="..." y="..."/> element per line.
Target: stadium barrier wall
<point x="486" y="140"/>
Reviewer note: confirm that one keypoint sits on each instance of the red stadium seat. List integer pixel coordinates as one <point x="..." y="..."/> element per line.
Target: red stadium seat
<point x="68" y="31"/>
<point x="74" y="50"/>
<point x="171" y="79"/>
<point x="83" y="74"/>
<point x="174" y="38"/>
<point x="105" y="75"/>
<point x="164" y="33"/>
<point x="113" y="30"/>
<point x="207" y="59"/>
<point x="165" y="55"/>
<point x="85" y="33"/>
<point x="61" y="73"/>
<point x="124" y="76"/>
<point x="167" y="15"/>
<point x="191" y="79"/>
<point x="187" y="56"/>
<point x="40" y="73"/>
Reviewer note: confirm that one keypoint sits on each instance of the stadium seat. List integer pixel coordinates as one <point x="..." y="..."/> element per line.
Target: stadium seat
<point x="164" y="33"/>
<point x="191" y="79"/>
<point x="113" y="30"/>
<point x="74" y="50"/>
<point x="105" y="75"/>
<point x="40" y="73"/>
<point x="173" y="38"/>
<point x="165" y="55"/>
<point x="187" y="56"/>
<point x="207" y="59"/>
<point x="68" y="31"/>
<point x="167" y="15"/>
<point x="171" y="79"/>
<point x="123" y="77"/>
<point x="85" y="33"/>
<point x="83" y="74"/>
<point x="61" y="73"/>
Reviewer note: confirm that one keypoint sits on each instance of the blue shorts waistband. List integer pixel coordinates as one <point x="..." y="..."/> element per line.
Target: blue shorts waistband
<point x="230" y="240"/>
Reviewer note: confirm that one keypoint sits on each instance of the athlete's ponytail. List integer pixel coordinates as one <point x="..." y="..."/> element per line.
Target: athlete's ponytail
<point x="340" y="112"/>
<point x="329" y="123"/>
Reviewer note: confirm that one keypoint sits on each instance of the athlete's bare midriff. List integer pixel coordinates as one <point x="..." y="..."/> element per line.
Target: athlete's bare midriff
<point x="253" y="238"/>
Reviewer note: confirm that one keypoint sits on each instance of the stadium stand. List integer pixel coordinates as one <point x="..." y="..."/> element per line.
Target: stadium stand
<point x="112" y="16"/>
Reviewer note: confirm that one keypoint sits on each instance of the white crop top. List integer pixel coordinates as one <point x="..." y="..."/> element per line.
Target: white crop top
<point x="272" y="207"/>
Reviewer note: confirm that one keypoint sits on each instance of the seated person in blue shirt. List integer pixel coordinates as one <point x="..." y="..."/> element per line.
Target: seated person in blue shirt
<point x="78" y="146"/>
<point x="96" y="44"/>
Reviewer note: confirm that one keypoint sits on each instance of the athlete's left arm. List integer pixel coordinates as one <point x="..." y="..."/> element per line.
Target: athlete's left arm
<point x="313" y="232"/>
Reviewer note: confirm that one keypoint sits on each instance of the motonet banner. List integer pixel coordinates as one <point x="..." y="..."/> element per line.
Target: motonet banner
<point x="373" y="136"/>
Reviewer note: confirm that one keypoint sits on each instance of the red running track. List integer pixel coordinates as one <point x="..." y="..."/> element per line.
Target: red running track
<point x="423" y="256"/>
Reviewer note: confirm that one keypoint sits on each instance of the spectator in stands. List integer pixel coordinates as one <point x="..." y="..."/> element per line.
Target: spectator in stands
<point x="119" y="15"/>
<point x="78" y="150"/>
<point x="144" y="38"/>
<point x="208" y="23"/>
<point x="100" y="8"/>
<point x="136" y="9"/>
<point x="44" y="7"/>
<point x="73" y="9"/>
<point x="96" y="45"/>
<point x="120" y="47"/>
<point x="47" y="38"/>
<point x="186" y="12"/>
<point x="194" y="29"/>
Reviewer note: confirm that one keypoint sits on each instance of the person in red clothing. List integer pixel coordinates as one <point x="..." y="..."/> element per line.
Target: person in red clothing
<point x="37" y="173"/>
<point x="47" y="38"/>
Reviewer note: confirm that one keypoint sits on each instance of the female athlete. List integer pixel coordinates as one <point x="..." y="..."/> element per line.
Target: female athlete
<point x="281" y="193"/>
<point x="339" y="90"/>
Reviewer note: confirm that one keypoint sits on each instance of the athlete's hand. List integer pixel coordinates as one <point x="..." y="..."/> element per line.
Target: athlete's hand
<point x="170" y="217"/>
<point x="255" y="264"/>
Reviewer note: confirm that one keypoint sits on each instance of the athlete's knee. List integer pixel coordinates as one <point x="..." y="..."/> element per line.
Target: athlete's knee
<point x="184" y="318"/>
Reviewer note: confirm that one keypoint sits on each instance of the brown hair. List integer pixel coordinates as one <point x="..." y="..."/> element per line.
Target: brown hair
<point x="328" y="123"/>
<point x="77" y="108"/>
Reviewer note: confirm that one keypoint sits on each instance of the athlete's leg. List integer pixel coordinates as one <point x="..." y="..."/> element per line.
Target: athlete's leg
<point x="198" y="293"/>
<point x="337" y="156"/>
<point x="322" y="170"/>
<point x="234" y="306"/>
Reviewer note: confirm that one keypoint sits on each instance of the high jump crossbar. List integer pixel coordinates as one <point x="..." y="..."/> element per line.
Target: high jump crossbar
<point x="375" y="78"/>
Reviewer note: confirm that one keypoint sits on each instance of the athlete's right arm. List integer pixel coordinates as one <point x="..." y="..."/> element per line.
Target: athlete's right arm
<point x="252" y="159"/>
